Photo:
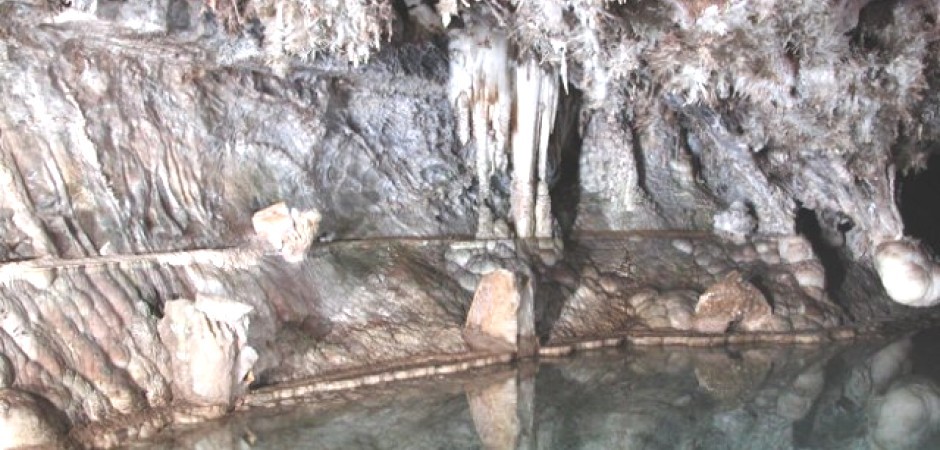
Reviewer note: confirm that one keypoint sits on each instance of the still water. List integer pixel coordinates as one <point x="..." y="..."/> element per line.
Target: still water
<point x="870" y="395"/>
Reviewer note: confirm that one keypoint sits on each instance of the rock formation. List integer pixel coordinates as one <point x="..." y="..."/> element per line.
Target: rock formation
<point x="730" y="303"/>
<point x="210" y="357"/>
<point x="501" y="314"/>
<point x="551" y="171"/>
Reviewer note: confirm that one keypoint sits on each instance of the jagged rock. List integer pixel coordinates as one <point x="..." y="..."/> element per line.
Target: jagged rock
<point x="732" y="302"/>
<point x="29" y="421"/>
<point x="501" y="315"/>
<point x="207" y="341"/>
<point x="287" y="230"/>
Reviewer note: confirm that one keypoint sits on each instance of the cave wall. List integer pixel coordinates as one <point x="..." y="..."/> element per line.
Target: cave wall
<point x="114" y="148"/>
<point x="158" y="128"/>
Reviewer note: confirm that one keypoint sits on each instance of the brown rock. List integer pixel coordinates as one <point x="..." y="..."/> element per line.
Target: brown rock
<point x="501" y="316"/>
<point x="732" y="302"/>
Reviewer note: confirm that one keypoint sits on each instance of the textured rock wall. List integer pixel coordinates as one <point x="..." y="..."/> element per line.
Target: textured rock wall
<point x="137" y="139"/>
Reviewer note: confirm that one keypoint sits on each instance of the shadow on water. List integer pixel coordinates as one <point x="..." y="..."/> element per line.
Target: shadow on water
<point x="878" y="395"/>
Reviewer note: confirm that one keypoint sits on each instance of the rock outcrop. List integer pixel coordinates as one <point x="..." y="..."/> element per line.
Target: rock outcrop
<point x="165" y="150"/>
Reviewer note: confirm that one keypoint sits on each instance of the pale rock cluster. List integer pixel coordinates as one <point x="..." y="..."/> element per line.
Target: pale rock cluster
<point x="663" y="311"/>
<point x="736" y="223"/>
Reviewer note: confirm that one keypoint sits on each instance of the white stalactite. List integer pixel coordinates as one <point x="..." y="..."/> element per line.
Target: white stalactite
<point x="481" y="93"/>
<point x="505" y="108"/>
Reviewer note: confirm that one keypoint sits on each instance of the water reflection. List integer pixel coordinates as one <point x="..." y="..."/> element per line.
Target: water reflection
<point x="835" y="397"/>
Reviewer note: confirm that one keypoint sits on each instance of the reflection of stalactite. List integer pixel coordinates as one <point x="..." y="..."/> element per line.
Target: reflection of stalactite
<point x="505" y="108"/>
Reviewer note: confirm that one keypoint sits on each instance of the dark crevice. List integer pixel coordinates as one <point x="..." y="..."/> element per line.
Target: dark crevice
<point x="565" y="160"/>
<point x="919" y="200"/>
<point x="808" y="224"/>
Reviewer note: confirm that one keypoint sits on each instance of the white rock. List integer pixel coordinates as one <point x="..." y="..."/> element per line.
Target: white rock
<point x="210" y="358"/>
<point x="736" y="223"/>
<point x="810" y="274"/>
<point x="906" y="273"/>
<point x="287" y="230"/>
<point x="273" y="224"/>
<point x="795" y="249"/>
<point x="222" y="309"/>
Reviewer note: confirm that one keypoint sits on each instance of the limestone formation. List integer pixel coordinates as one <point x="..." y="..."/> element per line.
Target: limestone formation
<point x="736" y="223"/>
<point x="207" y="341"/>
<point x="159" y="150"/>
<point x="501" y="315"/>
<point x="27" y="421"/>
<point x="732" y="303"/>
<point x="508" y="110"/>
<point x="909" y="275"/>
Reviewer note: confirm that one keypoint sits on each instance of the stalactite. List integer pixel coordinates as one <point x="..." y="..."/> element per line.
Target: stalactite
<point x="481" y="93"/>
<point x="505" y="108"/>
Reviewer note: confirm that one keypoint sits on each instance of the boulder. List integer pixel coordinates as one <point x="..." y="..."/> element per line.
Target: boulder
<point x="501" y="317"/>
<point x="207" y="340"/>
<point x="732" y="302"/>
